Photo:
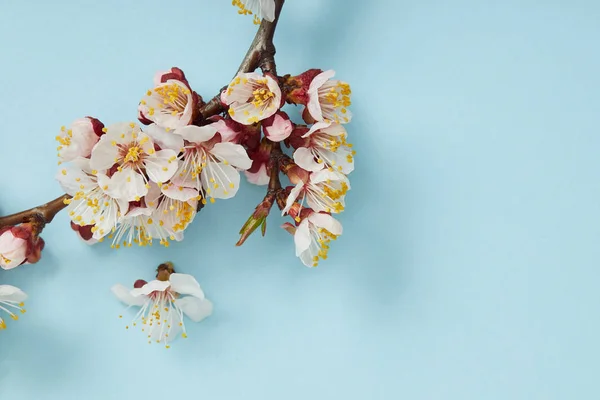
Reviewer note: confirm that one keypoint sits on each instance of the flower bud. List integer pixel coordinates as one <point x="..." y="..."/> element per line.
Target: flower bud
<point x="20" y="245"/>
<point x="278" y="127"/>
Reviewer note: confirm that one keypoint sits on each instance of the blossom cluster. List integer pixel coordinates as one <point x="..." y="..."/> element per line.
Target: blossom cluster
<point x="137" y="185"/>
<point x="139" y="182"/>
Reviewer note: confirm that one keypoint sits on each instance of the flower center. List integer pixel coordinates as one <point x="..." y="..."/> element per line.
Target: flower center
<point x="323" y="238"/>
<point x="262" y="96"/>
<point x="133" y="154"/>
<point x="174" y="97"/>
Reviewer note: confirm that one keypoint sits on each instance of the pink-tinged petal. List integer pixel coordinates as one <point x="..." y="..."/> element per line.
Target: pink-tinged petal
<point x="302" y="237"/>
<point x="334" y="129"/>
<point x="194" y="308"/>
<point x="313" y="106"/>
<point x="186" y="284"/>
<point x="121" y="132"/>
<point x="234" y="154"/>
<point x="317" y="126"/>
<point x="166" y="140"/>
<point x="152" y="286"/>
<point x="220" y="181"/>
<point x="305" y="159"/>
<point x="260" y="177"/>
<point x="227" y="133"/>
<point x="12" y="293"/>
<point x="104" y="154"/>
<point x="161" y="166"/>
<point x="123" y="294"/>
<point x="197" y="134"/>
<point x="280" y="130"/>
<point x="326" y="221"/>
<point x="81" y="139"/>
<point x="83" y="164"/>
<point x="292" y="197"/>
<point x="179" y="192"/>
<point x="128" y="185"/>
<point x="13" y="250"/>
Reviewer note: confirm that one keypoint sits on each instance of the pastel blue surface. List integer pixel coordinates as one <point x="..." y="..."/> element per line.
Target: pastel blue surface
<point x="468" y="268"/>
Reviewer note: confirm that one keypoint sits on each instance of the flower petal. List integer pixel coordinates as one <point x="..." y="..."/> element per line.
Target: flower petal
<point x="104" y="154"/>
<point x="161" y="166"/>
<point x="234" y="154"/>
<point x="305" y="159"/>
<point x="196" y="309"/>
<point x="292" y="197"/>
<point x="302" y="237"/>
<point x="180" y="193"/>
<point x="166" y="140"/>
<point x="124" y="295"/>
<point x="152" y="286"/>
<point x="260" y="177"/>
<point x="326" y="221"/>
<point x="12" y="293"/>
<point x="186" y="284"/>
<point x="128" y="185"/>
<point x="197" y="134"/>
<point x="219" y="180"/>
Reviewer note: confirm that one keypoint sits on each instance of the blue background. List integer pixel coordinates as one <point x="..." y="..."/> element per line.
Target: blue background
<point x="468" y="268"/>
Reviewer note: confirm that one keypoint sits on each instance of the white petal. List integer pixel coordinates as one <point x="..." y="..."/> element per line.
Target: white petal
<point x="166" y="140"/>
<point x="186" y="284"/>
<point x="73" y="180"/>
<point x="326" y="221"/>
<point x="292" y="197"/>
<point x="12" y="293"/>
<point x="234" y="154"/>
<point x="305" y="159"/>
<point x="227" y="134"/>
<point x="197" y="134"/>
<point x="317" y="126"/>
<point x="179" y="192"/>
<point x="302" y="237"/>
<point x="325" y="175"/>
<point x="124" y="295"/>
<point x="196" y="309"/>
<point x="121" y="132"/>
<point x="103" y="154"/>
<point x="267" y="9"/>
<point x="219" y="180"/>
<point x="128" y="185"/>
<point x="161" y="166"/>
<point x="152" y="286"/>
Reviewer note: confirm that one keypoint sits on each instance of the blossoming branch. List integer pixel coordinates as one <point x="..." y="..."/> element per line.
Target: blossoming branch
<point x="144" y="181"/>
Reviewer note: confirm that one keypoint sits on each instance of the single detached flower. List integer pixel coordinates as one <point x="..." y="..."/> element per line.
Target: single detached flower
<point x="132" y="152"/>
<point x="208" y="165"/>
<point x="11" y="302"/>
<point x="324" y="190"/>
<point x="171" y="103"/>
<point x="19" y="245"/>
<point x="324" y="146"/>
<point x="92" y="203"/>
<point x="313" y="235"/>
<point x="326" y="99"/>
<point x="259" y="8"/>
<point x="79" y="139"/>
<point x="163" y="304"/>
<point x="252" y="97"/>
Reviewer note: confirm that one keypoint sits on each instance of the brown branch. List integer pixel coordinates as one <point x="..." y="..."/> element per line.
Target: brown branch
<point x="260" y="54"/>
<point x="42" y="214"/>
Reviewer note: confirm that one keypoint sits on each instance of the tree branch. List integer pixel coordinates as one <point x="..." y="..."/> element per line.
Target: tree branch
<point x="260" y="54"/>
<point x="44" y="213"/>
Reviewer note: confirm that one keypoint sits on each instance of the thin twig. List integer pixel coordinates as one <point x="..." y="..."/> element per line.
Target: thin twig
<point x="260" y="54"/>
